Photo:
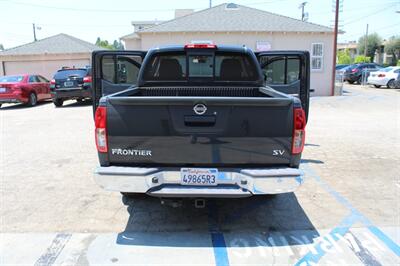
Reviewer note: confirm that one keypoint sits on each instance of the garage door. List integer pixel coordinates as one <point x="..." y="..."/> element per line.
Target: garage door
<point x="45" y="68"/>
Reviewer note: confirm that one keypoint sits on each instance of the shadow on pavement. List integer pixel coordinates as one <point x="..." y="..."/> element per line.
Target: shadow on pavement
<point x="257" y="221"/>
<point x="17" y="106"/>
<point x="312" y="145"/>
<point x="312" y="161"/>
<point x="73" y="103"/>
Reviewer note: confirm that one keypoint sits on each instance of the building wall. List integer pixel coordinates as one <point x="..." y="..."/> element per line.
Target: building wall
<point x="133" y="44"/>
<point x="320" y="80"/>
<point x="45" y="65"/>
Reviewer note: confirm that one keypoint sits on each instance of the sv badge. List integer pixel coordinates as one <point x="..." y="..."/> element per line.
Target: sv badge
<point x="278" y="152"/>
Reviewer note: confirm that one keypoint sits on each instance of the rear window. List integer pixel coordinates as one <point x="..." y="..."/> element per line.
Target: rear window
<point x="387" y="69"/>
<point x="218" y="66"/>
<point x="63" y="74"/>
<point x="11" y="78"/>
<point x="166" y="67"/>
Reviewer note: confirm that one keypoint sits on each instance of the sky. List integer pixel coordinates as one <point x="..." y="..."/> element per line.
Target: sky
<point x="110" y="20"/>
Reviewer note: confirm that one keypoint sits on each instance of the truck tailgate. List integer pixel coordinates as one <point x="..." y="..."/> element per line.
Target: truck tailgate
<point x="167" y="131"/>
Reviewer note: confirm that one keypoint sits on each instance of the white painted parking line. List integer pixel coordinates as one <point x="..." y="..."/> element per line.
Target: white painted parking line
<point x="23" y="248"/>
<point x="357" y="247"/>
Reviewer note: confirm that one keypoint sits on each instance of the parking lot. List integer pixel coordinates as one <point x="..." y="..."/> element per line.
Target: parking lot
<point x="346" y="212"/>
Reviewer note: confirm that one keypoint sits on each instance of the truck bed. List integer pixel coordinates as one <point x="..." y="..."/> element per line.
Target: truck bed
<point x="157" y="126"/>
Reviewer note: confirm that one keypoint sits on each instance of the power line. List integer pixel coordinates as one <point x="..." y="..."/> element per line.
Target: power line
<point x="354" y="10"/>
<point x="389" y="26"/>
<point x="89" y="9"/>
<point x="265" y="2"/>
<point x="67" y="25"/>
<point x="369" y="15"/>
<point x="119" y="10"/>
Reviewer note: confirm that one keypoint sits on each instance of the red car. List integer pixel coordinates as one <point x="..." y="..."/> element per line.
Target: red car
<point x="27" y="89"/>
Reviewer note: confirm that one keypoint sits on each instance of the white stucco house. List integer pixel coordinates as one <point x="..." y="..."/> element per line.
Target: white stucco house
<point x="241" y="25"/>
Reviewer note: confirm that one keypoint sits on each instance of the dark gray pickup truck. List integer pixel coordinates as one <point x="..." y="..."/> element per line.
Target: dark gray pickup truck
<point x="200" y="120"/>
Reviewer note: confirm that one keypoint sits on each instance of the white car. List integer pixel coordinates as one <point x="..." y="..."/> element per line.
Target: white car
<point x="384" y="77"/>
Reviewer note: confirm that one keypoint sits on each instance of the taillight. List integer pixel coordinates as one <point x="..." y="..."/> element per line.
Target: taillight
<point x="53" y="82"/>
<point x="299" y="133"/>
<point x="87" y="79"/>
<point x="381" y="75"/>
<point x="100" y="121"/>
<point x="16" y="90"/>
<point x="354" y="70"/>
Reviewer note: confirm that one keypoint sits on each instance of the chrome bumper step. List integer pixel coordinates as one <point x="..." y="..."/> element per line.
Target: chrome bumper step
<point x="165" y="182"/>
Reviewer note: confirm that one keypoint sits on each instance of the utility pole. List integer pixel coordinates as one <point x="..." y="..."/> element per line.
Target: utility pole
<point x="335" y="34"/>
<point x="210" y="5"/>
<point x="302" y="5"/>
<point x="34" y="32"/>
<point x="366" y="42"/>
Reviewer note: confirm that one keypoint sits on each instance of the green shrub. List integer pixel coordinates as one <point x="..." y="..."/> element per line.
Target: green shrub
<point x="362" y="59"/>
<point x="398" y="62"/>
<point x="344" y="57"/>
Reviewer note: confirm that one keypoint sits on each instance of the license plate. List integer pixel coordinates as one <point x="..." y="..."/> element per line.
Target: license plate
<point x="68" y="84"/>
<point x="2" y="90"/>
<point x="199" y="177"/>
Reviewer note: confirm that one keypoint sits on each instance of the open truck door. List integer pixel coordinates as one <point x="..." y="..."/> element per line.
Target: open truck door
<point x="287" y="72"/>
<point x="114" y="71"/>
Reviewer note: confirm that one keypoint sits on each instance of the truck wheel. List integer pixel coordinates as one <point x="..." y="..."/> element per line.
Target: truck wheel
<point x="391" y="84"/>
<point x="32" y="100"/>
<point x="58" y="102"/>
<point x="377" y="86"/>
<point x="350" y="81"/>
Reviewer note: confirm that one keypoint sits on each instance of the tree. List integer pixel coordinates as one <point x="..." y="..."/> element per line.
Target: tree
<point x="392" y="47"/>
<point x="374" y="41"/>
<point x="1" y="47"/>
<point x="104" y="44"/>
<point x="116" y="45"/>
<point x="362" y="59"/>
<point x="344" y="57"/>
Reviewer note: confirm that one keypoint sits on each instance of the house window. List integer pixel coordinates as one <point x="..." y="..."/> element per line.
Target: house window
<point x="317" y="56"/>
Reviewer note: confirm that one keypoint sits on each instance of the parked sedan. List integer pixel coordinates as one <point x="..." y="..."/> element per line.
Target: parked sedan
<point x="397" y="82"/>
<point x="354" y="72"/>
<point x="384" y="77"/>
<point x="341" y="66"/>
<point x="27" y="89"/>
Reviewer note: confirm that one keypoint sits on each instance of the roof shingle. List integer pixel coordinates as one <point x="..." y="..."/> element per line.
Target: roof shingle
<point x="57" y="44"/>
<point x="242" y="18"/>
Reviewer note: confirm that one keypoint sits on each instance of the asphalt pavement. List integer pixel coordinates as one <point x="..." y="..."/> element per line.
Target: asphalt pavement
<point x="346" y="212"/>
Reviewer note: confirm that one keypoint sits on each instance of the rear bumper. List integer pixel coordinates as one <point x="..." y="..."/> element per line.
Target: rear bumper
<point x="350" y="77"/>
<point x="12" y="98"/>
<point x="71" y="93"/>
<point x="165" y="182"/>
<point x="377" y="81"/>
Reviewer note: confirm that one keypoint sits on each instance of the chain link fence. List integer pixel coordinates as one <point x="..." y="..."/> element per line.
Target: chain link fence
<point x="339" y="82"/>
<point x="365" y="74"/>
